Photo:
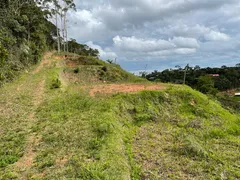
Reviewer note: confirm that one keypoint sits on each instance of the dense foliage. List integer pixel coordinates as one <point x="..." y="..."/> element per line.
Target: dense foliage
<point x="25" y="33"/>
<point x="223" y="78"/>
<point x="81" y="49"/>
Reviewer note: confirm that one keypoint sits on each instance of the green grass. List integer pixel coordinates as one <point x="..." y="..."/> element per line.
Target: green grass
<point x="230" y="102"/>
<point x="177" y="133"/>
<point x="89" y="70"/>
<point x="183" y="134"/>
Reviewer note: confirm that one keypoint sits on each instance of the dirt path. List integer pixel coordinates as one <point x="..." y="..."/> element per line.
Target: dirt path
<point x="127" y="88"/>
<point x="26" y="161"/>
<point x="45" y="61"/>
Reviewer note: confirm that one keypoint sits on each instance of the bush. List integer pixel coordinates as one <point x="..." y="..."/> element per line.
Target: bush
<point x="56" y="83"/>
<point x="104" y="68"/>
<point x="77" y="70"/>
<point x="205" y="84"/>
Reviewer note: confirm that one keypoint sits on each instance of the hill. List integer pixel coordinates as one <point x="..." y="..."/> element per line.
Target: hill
<point x="54" y="126"/>
<point x="224" y="78"/>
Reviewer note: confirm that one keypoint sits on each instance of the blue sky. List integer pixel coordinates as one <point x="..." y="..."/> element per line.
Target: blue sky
<point x="160" y="33"/>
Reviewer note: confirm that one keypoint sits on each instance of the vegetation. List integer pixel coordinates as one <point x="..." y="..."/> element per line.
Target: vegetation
<point x="63" y="133"/>
<point x="81" y="49"/>
<point x="52" y="127"/>
<point x="26" y="33"/>
<point x="90" y="70"/>
<point x="230" y="102"/>
<point x="228" y="76"/>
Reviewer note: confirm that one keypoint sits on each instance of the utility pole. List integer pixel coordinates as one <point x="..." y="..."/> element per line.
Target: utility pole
<point x="146" y="68"/>
<point x="185" y="74"/>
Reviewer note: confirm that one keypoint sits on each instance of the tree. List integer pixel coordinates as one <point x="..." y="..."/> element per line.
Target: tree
<point x="60" y="9"/>
<point x="196" y="68"/>
<point x="81" y="49"/>
<point x="24" y="35"/>
<point x="205" y="84"/>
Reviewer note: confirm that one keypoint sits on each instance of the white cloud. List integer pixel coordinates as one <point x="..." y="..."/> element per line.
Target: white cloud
<point x="184" y="30"/>
<point x="160" y="47"/>
<point x="135" y="44"/>
<point x="185" y="42"/>
<point x="119" y="13"/>
<point x="104" y="53"/>
<point x="163" y="32"/>
<point x="197" y="31"/>
<point x="216" y="36"/>
<point x="86" y="18"/>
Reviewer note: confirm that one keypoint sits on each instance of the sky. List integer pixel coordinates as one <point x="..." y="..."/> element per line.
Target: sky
<point x="159" y="34"/>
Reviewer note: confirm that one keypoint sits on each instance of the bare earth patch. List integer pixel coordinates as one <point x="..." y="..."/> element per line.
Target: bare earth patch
<point x="38" y="96"/>
<point x="128" y="88"/>
<point x="45" y="61"/>
<point x="27" y="160"/>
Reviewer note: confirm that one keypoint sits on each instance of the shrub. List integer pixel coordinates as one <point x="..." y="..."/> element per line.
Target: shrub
<point x="56" y="83"/>
<point x="110" y="61"/>
<point x="104" y="68"/>
<point x="76" y="70"/>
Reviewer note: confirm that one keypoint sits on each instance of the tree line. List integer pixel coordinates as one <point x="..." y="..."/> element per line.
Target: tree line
<point x="28" y="28"/>
<point x="204" y="79"/>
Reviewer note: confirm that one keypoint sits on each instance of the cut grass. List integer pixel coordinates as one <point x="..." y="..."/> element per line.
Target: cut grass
<point x="89" y="70"/>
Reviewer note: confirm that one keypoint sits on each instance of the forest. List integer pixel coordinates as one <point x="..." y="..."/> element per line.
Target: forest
<point x="203" y="79"/>
<point x="28" y="28"/>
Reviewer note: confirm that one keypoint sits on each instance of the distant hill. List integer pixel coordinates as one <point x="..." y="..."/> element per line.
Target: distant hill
<point x="224" y="78"/>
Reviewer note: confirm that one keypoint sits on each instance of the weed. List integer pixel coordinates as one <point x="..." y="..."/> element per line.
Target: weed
<point x="104" y="68"/>
<point x="56" y="83"/>
<point x="76" y="70"/>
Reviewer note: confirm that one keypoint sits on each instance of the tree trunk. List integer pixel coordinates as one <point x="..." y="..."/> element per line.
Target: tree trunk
<point x="58" y="40"/>
<point x="65" y="27"/>
<point x="29" y="35"/>
<point x="63" y="33"/>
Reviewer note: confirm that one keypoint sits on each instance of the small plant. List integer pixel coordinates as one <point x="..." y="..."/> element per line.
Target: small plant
<point x="56" y="83"/>
<point x="110" y="61"/>
<point x="104" y="68"/>
<point x="76" y="70"/>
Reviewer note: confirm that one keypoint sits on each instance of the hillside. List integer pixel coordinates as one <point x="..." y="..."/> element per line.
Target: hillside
<point x="82" y="118"/>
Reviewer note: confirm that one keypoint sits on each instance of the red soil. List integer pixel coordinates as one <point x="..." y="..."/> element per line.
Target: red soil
<point x="115" y="88"/>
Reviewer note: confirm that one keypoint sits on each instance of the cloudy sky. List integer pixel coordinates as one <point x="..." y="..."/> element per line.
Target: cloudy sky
<point x="160" y="33"/>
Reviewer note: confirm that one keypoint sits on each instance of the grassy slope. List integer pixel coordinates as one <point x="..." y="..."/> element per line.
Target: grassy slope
<point x="88" y="70"/>
<point x="178" y="133"/>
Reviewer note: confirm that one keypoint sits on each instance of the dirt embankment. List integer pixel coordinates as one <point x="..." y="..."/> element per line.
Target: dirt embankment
<point x="127" y="88"/>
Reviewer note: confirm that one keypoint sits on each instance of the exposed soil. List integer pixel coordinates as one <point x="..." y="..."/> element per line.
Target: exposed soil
<point x="62" y="161"/>
<point x="27" y="160"/>
<point x="38" y="96"/>
<point x="71" y="64"/>
<point x="116" y="88"/>
<point x="45" y="61"/>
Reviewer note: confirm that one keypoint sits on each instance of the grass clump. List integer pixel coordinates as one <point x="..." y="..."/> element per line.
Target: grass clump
<point x="191" y="147"/>
<point x="56" y="83"/>
<point x="76" y="70"/>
